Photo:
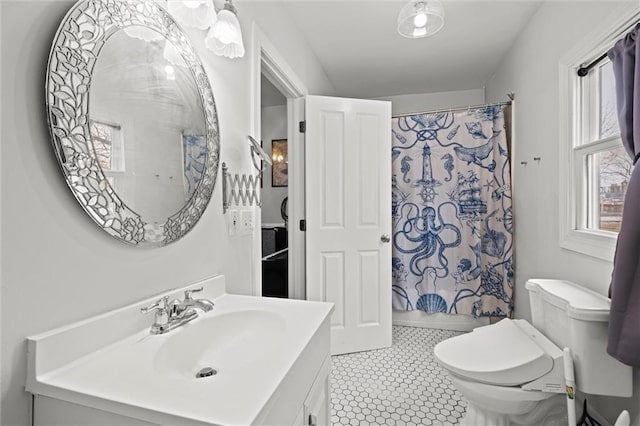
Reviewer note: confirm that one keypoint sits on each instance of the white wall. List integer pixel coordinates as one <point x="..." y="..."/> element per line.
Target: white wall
<point x="274" y="126"/>
<point x="531" y="70"/>
<point x="418" y="102"/>
<point x="57" y="265"/>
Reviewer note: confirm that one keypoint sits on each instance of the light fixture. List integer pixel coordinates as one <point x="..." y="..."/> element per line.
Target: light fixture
<point x="421" y="18"/>
<point x="225" y="36"/>
<point x="170" y="72"/>
<point x="193" y="13"/>
<point x="171" y="55"/>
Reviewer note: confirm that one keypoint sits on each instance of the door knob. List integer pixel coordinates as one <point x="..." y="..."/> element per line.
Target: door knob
<point x="385" y="238"/>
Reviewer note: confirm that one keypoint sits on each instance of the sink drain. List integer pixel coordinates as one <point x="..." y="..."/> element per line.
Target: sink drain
<point x="206" y="372"/>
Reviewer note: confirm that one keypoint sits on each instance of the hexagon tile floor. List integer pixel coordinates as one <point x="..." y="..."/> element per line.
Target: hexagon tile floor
<point x="400" y="385"/>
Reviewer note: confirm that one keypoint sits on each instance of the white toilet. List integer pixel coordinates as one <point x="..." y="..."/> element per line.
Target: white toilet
<point x="511" y="372"/>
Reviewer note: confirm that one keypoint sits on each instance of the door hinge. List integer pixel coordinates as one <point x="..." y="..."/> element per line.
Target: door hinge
<point x="303" y="225"/>
<point x="302" y="126"/>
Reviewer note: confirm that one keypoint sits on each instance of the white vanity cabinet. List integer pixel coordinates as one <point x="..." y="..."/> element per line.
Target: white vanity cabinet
<point x="271" y="356"/>
<point x="54" y="412"/>
<point x="317" y="406"/>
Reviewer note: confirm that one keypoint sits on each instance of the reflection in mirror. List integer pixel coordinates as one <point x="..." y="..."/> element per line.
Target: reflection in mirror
<point x="133" y="120"/>
<point x="144" y="96"/>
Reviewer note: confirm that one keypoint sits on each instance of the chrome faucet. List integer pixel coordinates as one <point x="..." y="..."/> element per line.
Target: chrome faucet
<point x="170" y="315"/>
<point x="189" y="302"/>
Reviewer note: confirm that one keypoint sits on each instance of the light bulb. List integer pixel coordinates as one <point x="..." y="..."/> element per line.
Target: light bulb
<point x="193" y="13"/>
<point x="420" y="20"/>
<point x="419" y="32"/>
<point x="171" y="73"/>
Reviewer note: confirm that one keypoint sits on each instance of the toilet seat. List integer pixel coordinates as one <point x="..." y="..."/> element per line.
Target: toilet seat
<point x="503" y="354"/>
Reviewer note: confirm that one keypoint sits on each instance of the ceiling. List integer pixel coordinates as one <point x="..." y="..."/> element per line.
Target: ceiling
<point x="363" y="56"/>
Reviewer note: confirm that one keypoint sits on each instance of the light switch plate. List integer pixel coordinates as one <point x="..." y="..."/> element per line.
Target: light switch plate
<point x="233" y="222"/>
<point x="246" y="222"/>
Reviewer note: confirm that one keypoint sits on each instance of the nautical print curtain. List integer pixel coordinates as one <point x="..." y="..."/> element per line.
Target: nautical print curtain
<point x="452" y="215"/>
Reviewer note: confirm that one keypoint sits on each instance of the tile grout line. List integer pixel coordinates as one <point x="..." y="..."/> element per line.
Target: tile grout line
<point x="400" y="385"/>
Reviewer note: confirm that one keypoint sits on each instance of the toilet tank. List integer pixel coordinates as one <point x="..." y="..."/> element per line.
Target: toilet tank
<point x="576" y="317"/>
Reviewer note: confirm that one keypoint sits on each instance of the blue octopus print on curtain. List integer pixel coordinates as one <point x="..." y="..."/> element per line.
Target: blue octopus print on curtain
<point x="452" y="215"/>
<point x="195" y="151"/>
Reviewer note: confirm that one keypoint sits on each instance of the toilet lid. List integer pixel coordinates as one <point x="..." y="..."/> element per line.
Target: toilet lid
<point x="500" y="354"/>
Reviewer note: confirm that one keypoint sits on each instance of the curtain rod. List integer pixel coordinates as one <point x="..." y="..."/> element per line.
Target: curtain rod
<point x="584" y="70"/>
<point x="435" y="111"/>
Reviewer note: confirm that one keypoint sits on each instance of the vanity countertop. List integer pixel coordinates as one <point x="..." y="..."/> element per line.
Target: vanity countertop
<point x="251" y="342"/>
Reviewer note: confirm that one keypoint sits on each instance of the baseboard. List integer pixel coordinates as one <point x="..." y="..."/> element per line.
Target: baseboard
<point x="441" y="321"/>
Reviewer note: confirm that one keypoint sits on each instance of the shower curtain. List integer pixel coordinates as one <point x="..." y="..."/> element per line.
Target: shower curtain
<point x="452" y="214"/>
<point x="194" y="150"/>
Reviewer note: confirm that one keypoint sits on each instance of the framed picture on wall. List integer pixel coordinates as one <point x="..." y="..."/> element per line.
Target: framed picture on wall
<point x="279" y="170"/>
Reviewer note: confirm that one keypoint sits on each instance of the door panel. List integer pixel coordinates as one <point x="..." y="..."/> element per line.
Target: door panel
<point x="348" y="209"/>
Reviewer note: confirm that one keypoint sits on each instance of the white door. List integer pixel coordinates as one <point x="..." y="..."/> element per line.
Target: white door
<point x="348" y="217"/>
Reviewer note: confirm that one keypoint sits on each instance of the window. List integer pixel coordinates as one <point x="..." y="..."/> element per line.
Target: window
<point x="594" y="166"/>
<point x="108" y="146"/>
<point x="601" y="164"/>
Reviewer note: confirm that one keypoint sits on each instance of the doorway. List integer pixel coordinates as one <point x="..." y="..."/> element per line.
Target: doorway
<point x="274" y="191"/>
<point x="373" y="307"/>
<point x="270" y="70"/>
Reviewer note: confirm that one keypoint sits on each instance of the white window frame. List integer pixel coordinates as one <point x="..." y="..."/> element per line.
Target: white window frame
<point x="117" y="147"/>
<point x="573" y="184"/>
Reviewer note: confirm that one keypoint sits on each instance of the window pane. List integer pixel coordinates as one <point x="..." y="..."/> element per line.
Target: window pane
<point x="612" y="170"/>
<point x="608" y="114"/>
<point x="102" y="138"/>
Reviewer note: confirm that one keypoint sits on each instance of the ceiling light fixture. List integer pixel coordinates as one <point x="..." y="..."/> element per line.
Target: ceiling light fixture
<point x="421" y="18"/>
<point x="198" y="14"/>
<point x="225" y="36"/>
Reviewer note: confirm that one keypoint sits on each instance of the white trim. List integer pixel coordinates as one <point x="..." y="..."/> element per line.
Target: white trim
<point x="296" y="204"/>
<point x="599" y="244"/>
<point x="267" y="60"/>
<point x="591" y="217"/>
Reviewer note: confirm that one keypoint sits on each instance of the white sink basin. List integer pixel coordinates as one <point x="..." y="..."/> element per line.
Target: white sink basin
<point x="227" y="343"/>
<point x="259" y="347"/>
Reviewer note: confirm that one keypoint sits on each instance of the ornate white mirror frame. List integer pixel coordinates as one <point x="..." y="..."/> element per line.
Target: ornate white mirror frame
<point x="76" y="47"/>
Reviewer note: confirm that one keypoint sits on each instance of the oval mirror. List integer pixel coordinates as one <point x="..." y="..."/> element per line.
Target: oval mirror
<point x="133" y="120"/>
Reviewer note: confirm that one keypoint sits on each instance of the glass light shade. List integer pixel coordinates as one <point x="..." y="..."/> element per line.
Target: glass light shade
<point x="225" y="36"/>
<point x="172" y="55"/>
<point x="421" y="18"/>
<point x="193" y="13"/>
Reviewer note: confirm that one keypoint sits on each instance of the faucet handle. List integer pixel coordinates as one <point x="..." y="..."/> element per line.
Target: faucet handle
<point x="161" y="322"/>
<point x="188" y="293"/>
<point x="160" y="305"/>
